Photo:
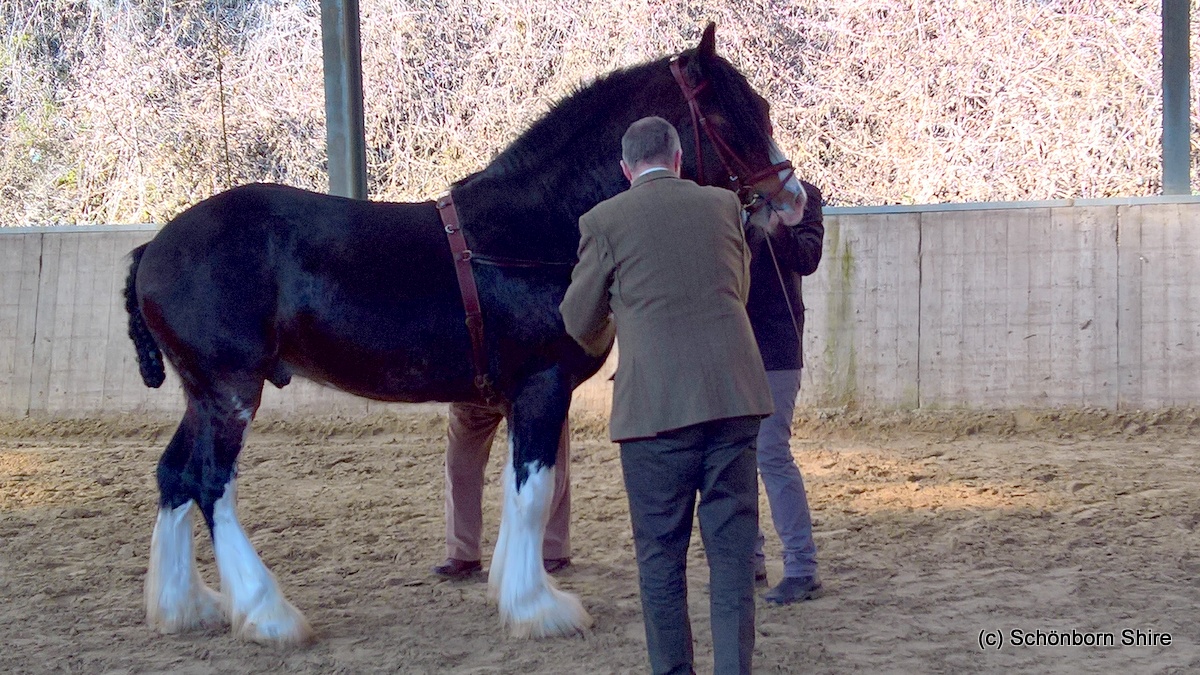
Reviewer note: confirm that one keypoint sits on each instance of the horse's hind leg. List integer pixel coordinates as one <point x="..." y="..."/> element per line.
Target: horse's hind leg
<point x="530" y="603"/>
<point x="258" y="610"/>
<point x="176" y="597"/>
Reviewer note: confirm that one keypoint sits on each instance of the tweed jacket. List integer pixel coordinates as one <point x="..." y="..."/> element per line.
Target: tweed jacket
<point x="667" y="263"/>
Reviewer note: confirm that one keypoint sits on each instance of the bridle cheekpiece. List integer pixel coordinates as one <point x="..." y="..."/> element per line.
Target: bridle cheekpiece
<point x="746" y="189"/>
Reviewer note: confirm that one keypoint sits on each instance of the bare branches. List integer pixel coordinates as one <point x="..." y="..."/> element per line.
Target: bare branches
<point x="110" y="110"/>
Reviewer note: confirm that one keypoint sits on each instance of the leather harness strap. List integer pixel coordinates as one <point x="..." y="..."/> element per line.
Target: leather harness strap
<point x="470" y="295"/>
<point x="690" y="94"/>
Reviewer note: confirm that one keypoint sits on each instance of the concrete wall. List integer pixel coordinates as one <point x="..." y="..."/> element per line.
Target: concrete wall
<point x="1049" y="304"/>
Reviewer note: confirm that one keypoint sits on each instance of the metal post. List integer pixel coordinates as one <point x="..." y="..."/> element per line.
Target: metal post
<point x="345" y="132"/>
<point x="1176" y="137"/>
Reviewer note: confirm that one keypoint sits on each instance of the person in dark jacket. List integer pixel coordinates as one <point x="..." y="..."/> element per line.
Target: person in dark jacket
<point x="776" y="311"/>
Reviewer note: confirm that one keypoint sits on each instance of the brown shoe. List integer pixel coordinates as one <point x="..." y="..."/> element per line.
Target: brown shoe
<point x="553" y="565"/>
<point x="454" y="568"/>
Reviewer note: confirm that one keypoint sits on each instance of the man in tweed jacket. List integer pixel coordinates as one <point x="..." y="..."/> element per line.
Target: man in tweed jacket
<point x="666" y="264"/>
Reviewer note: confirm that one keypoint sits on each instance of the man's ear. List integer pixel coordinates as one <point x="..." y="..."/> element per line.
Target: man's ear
<point x="677" y="163"/>
<point x="627" y="171"/>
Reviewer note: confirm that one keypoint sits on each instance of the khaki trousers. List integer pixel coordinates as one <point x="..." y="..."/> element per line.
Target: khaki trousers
<point x="471" y="431"/>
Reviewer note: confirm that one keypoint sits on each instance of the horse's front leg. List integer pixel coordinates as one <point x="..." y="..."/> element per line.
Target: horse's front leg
<point x="530" y="602"/>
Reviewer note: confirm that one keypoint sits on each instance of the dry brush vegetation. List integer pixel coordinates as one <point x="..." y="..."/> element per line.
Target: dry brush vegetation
<point x="119" y="111"/>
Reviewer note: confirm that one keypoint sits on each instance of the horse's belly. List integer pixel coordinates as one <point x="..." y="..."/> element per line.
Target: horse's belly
<point x="394" y="390"/>
<point x="388" y="360"/>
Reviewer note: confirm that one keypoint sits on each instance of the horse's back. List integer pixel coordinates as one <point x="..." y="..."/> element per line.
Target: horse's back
<point x="264" y="233"/>
<point x="267" y="273"/>
<point x="259" y="214"/>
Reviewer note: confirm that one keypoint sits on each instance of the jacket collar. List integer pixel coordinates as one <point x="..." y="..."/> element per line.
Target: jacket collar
<point x="654" y="174"/>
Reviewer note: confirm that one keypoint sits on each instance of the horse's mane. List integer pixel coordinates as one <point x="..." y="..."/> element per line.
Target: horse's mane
<point x="526" y="203"/>
<point x="588" y="105"/>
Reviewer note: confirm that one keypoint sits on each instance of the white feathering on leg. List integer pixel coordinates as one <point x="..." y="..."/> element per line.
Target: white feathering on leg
<point x="530" y="602"/>
<point x="258" y="610"/>
<point x="500" y="551"/>
<point x="176" y="597"/>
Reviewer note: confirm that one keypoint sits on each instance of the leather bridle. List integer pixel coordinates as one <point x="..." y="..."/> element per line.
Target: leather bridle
<point x="748" y="191"/>
<point x="747" y="188"/>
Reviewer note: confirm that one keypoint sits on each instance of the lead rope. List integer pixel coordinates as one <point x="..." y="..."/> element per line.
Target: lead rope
<point x="783" y="288"/>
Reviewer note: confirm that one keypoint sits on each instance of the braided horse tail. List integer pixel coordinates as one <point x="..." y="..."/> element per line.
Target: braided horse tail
<point x="150" y="360"/>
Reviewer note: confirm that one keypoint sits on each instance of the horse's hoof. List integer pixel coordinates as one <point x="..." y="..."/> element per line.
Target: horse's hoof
<point x="278" y="624"/>
<point x="557" y="614"/>
<point x="204" y="609"/>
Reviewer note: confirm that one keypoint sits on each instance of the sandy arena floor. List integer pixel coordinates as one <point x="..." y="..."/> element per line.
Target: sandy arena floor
<point x="935" y="532"/>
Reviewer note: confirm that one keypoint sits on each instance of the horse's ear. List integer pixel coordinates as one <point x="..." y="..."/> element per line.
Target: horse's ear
<point x="708" y="43"/>
<point x="706" y="53"/>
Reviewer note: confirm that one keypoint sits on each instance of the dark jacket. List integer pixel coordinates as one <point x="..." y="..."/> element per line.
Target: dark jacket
<point x="798" y="250"/>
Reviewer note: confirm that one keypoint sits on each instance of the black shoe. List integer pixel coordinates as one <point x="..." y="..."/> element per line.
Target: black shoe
<point x="794" y="589"/>
<point x="760" y="574"/>
<point x="553" y="565"/>
<point x="454" y="568"/>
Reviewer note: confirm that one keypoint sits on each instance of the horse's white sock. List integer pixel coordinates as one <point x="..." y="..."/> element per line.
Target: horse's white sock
<point x="257" y="607"/>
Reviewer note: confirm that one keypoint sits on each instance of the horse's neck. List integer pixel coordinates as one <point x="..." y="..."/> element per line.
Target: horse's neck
<point x="531" y="217"/>
<point x="562" y="189"/>
<point x="534" y="207"/>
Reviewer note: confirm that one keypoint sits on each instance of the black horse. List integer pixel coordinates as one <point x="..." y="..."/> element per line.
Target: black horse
<point x="264" y="282"/>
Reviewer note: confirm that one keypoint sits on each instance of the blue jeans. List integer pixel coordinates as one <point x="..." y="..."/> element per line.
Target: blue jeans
<point x="781" y="478"/>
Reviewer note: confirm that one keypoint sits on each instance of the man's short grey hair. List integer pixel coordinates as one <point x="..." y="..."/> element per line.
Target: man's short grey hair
<point x="650" y="139"/>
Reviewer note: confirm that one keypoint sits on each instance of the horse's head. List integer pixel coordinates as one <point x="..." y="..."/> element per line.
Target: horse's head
<point x="727" y="135"/>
